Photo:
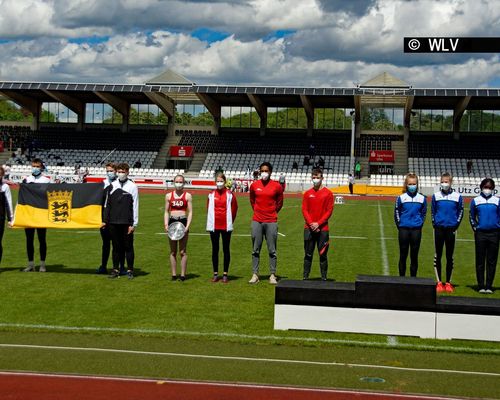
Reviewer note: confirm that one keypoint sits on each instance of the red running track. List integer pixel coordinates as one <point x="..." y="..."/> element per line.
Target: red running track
<point x="32" y="386"/>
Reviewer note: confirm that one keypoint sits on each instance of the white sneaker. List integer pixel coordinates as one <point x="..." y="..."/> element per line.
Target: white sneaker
<point x="483" y="291"/>
<point x="254" y="279"/>
<point x="273" y="280"/>
<point x="488" y="291"/>
<point x="29" y="268"/>
<point x="42" y="268"/>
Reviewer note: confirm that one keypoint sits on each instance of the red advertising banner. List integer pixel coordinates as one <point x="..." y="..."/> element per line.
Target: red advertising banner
<point x="181" y="151"/>
<point x="384" y="156"/>
<point x="1" y="147"/>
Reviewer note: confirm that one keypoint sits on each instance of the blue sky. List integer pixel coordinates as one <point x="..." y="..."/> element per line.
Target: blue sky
<point x="263" y="42"/>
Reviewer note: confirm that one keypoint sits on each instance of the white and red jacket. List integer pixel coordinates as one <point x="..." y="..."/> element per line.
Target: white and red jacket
<point x="222" y="208"/>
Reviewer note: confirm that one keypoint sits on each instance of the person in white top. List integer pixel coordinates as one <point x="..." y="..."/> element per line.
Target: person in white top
<point x="6" y="212"/>
<point x="36" y="176"/>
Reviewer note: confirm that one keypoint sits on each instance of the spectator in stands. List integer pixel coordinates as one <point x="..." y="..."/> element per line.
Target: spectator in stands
<point x="321" y="163"/>
<point x="307" y="161"/>
<point x="37" y="176"/>
<point x="138" y="164"/>
<point x="6" y="169"/>
<point x="357" y="170"/>
<point x="178" y="208"/>
<point x="6" y="210"/>
<point x="469" y="167"/>
<point x="266" y="199"/>
<point x="317" y="208"/>
<point x="105" y="234"/>
<point x="312" y="151"/>
<point x="121" y="214"/>
<point x="409" y="215"/>
<point x="351" y="184"/>
<point x="282" y="181"/>
<point x="447" y="210"/>
<point x="295" y="166"/>
<point x="485" y="221"/>
<point x="222" y="208"/>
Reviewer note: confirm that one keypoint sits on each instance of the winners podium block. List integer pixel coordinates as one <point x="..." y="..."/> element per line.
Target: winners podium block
<point x="387" y="305"/>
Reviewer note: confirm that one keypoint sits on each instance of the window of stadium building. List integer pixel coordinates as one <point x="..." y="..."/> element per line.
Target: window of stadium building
<point x="239" y="117"/>
<point x="147" y="114"/>
<point x="286" y="118"/>
<point x="431" y="120"/>
<point x="57" y="113"/>
<point x="332" y="118"/>
<point x="382" y="119"/>
<point x="480" y="121"/>
<point x="101" y="113"/>
<point x="193" y="114"/>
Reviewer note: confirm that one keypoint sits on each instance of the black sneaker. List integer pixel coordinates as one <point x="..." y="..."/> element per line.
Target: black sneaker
<point x="174" y="278"/>
<point x="101" y="271"/>
<point x="182" y="278"/>
<point x="130" y="274"/>
<point x="114" y="274"/>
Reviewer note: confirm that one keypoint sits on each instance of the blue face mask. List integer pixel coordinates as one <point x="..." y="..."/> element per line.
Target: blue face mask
<point x="111" y="175"/>
<point x="412" y="188"/>
<point x="35" y="171"/>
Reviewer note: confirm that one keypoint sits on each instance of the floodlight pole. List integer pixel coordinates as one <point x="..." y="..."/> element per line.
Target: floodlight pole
<point x="353" y="136"/>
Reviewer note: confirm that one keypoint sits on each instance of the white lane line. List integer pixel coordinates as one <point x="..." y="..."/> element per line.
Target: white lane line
<point x="281" y="234"/>
<point x="220" y="384"/>
<point x="350" y="237"/>
<point x="207" y="234"/>
<point x="247" y="336"/>
<point x="246" y="359"/>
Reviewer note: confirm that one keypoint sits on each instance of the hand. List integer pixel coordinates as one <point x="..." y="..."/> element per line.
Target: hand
<point x="314" y="226"/>
<point x="131" y="229"/>
<point x="10" y="224"/>
<point x="166" y="227"/>
<point x="186" y="229"/>
<point x="103" y="225"/>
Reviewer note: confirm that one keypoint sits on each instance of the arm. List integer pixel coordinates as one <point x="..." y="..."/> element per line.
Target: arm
<point x="460" y="211"/>
<point x="135" y="197"/>
<point x="10" y="210"/>
<point x="397" y="212"/>
<point x="252" y="196"/>
<point x="473" y="215"/>
<point x="234" y="207"/>
<point x="328" y="210"/>
<point x="189" y="200"/>
<point x="166" y="216"/>
<point x="433" y="209"/>
<point x="423" y="211"/>
<point x="279" y="199"/>
<point x="305" y="211"/>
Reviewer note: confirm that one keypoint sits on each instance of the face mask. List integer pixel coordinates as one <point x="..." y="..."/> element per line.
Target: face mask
<point x="445" y="187"/>
<point x="35" y="171"/>
<point x="122" y="176"/>
<point x="178" y="185"/>
<point x="316" y="181"/>
<point x="487" y="192"/>
<point x="219" y="184"/>
<point x="264" y="175"/>
<point x="111" y="175"/>
<point x="412" y="188"/>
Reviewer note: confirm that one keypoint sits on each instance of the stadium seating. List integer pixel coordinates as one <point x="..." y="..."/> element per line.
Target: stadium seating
<point x="444" y="146"/>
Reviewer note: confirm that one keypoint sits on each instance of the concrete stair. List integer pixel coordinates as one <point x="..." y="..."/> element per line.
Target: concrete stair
<point x="162" y="157"/>
<point x="197" y="162"/>
<point x="400" y="157"/>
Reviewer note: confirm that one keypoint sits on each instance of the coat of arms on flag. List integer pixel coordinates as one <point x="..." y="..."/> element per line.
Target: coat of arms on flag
<point x="59" y="203"/>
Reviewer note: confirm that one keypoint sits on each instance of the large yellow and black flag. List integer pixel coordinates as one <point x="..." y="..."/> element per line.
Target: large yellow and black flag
<point x="59" y="205"/>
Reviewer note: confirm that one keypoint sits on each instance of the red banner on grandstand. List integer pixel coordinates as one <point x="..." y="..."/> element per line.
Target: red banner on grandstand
<point x="181" y="151"/>
<point x="1" y="146"/>
<point x="384" y="156"/>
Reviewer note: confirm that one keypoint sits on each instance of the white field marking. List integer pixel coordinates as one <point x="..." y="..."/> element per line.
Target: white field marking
<point x="391" y="340"/>
<point x="207" y="234"/>
<point x="246" y="336"/>
<point x="219" y="384"/>
<point x="281" y="234"/>
<point x="88" y="232"/>
<point x="240" y="358"/>
<point x="350" y="237"/>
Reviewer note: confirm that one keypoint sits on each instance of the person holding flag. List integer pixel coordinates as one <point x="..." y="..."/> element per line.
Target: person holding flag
<point x="447" y="210"/>
<point x="36" y="176"/>
<point x="6" y="212"/>
<point x="317" y="208"/>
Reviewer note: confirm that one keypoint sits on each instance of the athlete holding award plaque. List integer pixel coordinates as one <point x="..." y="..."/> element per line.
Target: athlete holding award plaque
<point x="178" y="216"/>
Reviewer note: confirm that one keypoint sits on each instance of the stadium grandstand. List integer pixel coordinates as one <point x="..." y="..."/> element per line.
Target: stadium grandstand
<point x="235" y="128"/>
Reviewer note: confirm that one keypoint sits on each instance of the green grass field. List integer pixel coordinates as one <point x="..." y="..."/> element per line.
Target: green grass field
<point x="72" y="306"/>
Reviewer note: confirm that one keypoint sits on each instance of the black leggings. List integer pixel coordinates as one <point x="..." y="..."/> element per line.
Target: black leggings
<point x="106" y="246"/>
<point x="409" y="239"/>
<point x="2" y="229"/>
<point x="444" y="236"/>
<point x="313" y="240"/>
<point x="42" y="240"/>
<point x="123" y="246"/>
<point x="226" y="241"/>
<point x="486" y="254"/>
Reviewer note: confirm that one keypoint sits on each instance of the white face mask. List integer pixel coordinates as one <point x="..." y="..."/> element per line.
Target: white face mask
<point x="445" y="186"/>
<point x="264" y="175"/>
<point x="219" y="184"/>
<point x="179" y="185"/>
<point x="316" y="181"/>
<point x="122" y="176"/>
<point x="487" y="192"/>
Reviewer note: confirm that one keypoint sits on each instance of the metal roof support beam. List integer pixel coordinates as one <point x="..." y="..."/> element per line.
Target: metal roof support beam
<point x="261" y="109"/>
<point x="458" y="112"/>
<point x="28" y="103"/>
<point x="75" y="105"/>
<point x="119" y="105"/>
<point x="213" y="108"/>
<point x="163" y="103"/>
<point x="309" y="110"/>
<point x="357" y="115"/>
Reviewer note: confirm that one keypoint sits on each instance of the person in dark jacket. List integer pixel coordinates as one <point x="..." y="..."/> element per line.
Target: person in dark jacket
<point x="447" y="210"/>
<point x="485" y="221"/>
<point x="409" y="216"/>
<point x="121" y="214"/>
<point x="6" y="212"/>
